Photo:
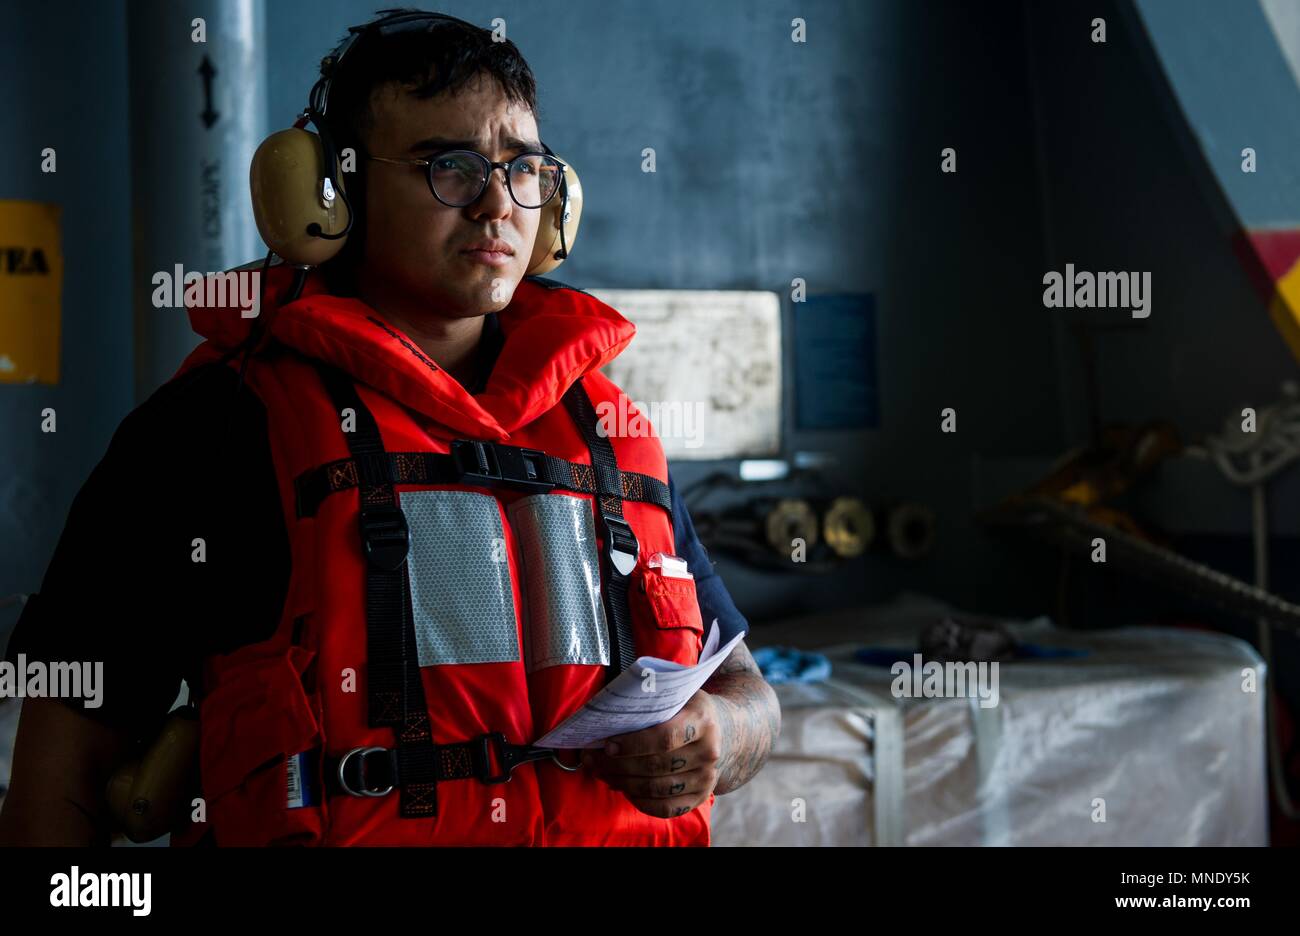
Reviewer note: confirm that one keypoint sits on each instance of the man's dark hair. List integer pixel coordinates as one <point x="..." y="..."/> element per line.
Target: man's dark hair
<point x="435" y="57"/>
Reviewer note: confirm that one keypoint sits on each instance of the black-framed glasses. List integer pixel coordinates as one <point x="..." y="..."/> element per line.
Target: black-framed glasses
<point x="459" y="177"/>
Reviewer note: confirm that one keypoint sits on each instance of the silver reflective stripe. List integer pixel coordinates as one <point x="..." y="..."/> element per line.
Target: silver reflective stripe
<point x="561" y="572"/>
<point x="459" y="570"/>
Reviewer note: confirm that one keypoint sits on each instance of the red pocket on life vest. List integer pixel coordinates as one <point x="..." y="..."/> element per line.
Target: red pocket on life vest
<point x="666" y="614"/>
<point x="250" y="726"/>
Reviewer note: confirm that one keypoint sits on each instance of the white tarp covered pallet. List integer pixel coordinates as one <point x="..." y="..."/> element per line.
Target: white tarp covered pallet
<point x="1153" y="721"/>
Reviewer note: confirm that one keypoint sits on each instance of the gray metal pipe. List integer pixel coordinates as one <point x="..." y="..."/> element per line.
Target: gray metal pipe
<point x="198" y="111"/>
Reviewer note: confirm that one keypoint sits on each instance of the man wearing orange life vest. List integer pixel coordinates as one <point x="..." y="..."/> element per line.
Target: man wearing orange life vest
<point x="415" y="662"/>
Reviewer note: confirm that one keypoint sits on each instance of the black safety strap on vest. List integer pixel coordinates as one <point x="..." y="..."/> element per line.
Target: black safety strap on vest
<point x="477" y="464"/>
<point x="621" y="547"/>
<point x="376" y="771"/>
<point x="395" y="690"/>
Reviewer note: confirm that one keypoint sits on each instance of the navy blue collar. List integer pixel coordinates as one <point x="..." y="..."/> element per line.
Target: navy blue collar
<point x="489" y="349"/>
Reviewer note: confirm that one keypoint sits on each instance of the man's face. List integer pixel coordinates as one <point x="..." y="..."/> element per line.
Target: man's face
<point x="416" y="247"/>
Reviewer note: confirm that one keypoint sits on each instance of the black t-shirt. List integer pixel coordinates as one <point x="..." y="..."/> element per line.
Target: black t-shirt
<point x="193" y="461"/>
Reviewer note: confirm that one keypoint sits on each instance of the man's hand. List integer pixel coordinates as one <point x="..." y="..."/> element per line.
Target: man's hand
<point x="668" y="770"/>
<point x="714" y="745"/>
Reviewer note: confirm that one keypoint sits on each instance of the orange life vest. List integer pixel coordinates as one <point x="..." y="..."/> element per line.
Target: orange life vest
<point x="457" y="589"/>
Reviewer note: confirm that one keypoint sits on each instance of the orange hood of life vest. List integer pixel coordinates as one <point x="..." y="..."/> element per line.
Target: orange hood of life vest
<point x="553" y="337"/>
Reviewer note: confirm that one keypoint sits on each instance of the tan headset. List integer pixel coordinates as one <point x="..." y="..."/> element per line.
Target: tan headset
<point x="148" y="795"/>
<point x="299" y="202"/>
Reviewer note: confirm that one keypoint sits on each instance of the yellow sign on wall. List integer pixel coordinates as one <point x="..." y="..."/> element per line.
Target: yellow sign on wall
<point x="31" y="288"/>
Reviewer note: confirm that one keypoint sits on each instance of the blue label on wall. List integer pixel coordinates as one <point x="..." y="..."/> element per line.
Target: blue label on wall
<point x="835" y="381"/>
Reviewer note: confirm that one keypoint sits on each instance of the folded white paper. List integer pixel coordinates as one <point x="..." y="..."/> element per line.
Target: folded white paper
<point x="648" y="693"/>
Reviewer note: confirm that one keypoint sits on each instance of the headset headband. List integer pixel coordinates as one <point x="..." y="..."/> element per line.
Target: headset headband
<point x="394" y="22"/>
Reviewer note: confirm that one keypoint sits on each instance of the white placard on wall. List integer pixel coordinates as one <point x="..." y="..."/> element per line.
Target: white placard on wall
<point x="704" y="367"/>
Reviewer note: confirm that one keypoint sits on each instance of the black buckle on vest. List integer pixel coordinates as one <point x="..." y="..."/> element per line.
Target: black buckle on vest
<point x="508" y="755"/>
<point x="485" y="464"/>
<point x="621" y="546"/>
<point x="385" y="537"/>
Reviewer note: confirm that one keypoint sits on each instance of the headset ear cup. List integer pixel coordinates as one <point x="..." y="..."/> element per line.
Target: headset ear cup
<point x="548" y="242"/>
<point x="285" y="181"/>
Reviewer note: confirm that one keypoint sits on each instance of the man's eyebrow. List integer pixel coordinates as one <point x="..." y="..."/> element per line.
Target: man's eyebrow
<point x="443" y="143"/>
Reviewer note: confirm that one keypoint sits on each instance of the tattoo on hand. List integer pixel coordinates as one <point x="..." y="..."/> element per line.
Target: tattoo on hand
<point x="749" y="717"/>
